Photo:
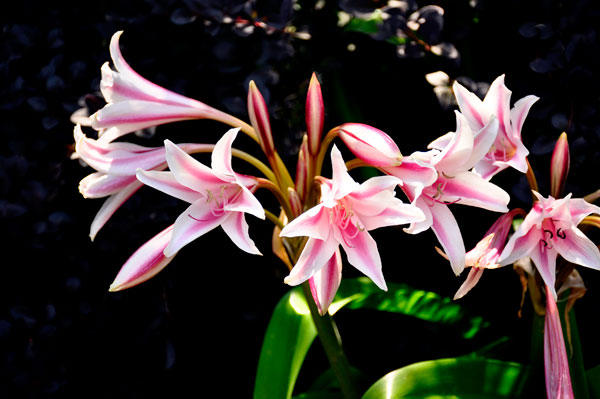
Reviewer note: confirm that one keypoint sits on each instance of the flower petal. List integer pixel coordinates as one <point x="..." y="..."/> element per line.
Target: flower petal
<point x="471" y="106"/>
<point x="361" y="250"/>
<point x="472" y="279"/>
<point x="556" y="363"/>
<point x="246" y="202"/>
<point x="392" y="215"/>
<point x="314" y="256"/>
<point x="446" y="229"/>
<point x="325" y="283"/>
<point x="467" y="188"/>
<point x="521" y="243"/>
<point x="518" y="114"/>
<point x="98" y="185"/>
<point x="110" y="206"/>
<point x="237" y="229"/>
<point x="418" y="227"/>
<point x="198" y="219"/>
<point x="166" y="182"/>
<point x="580" y="208"/>
<point x="343" y="183"/>
<point x="497" y="100"/>
<point x="312" y="223"/>
<point x="189" y="172"/>
<point x="145" y="263"/>
<point x="544" y="258"/>
<point x="577" y="248"/>
<point x="221" y="156"/>
<point x="458" y="151"/>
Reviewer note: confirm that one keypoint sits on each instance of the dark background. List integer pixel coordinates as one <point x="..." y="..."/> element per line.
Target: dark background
<point x="198" y="325"/>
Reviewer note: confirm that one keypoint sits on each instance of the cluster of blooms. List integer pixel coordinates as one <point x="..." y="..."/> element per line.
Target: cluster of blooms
<point x="318" y="214"/>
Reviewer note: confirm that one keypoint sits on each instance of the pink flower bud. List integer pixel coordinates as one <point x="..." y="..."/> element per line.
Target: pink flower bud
<point x="370" y="144"/>
<point x="295" y="202"/>
<point x="315" y="115"/>
<point x="559" y="166"/>
<point x="259" y="117"/>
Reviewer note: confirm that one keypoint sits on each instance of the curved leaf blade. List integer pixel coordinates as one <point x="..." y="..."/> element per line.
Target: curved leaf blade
<point x="465" y="378"/>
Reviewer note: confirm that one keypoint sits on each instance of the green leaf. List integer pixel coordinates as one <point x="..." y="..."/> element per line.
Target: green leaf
<point x="401" y="298"/>
<point x="464" y="378"/>
<point x="291" y="330"/>
<point x="369" y="26"/>
<point x="289" y="335"/>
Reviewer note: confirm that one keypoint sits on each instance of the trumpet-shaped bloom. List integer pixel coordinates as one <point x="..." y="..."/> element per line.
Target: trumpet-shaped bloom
<point x="115" y="165"/>
<point x="556" y="363"/>
<point x="508" y="149"/>
<point x="135" y="103"/>
<point x="346" y="213"/>
<point x="486" y="253"/>
<point x="370" y="144"/>
<point x="218" y="196"/>
<point x="550" y="229"/>
<point x="452" y="156"/>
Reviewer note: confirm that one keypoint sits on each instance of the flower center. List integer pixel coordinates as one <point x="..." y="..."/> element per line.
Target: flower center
<point x="551" y="233"/>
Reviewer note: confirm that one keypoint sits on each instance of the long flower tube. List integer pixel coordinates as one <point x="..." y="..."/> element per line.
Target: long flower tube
<point x="556" y="363"/>
<point x="135" y="103"/>
<point x="115" y="176"/>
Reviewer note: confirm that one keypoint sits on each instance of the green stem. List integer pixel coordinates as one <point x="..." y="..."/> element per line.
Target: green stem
<point x="332" y="344"/>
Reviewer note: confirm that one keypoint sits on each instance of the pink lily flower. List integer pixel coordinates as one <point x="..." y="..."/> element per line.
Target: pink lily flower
<point x="345" y="215"/>
<point x="218" y="196"/>
<point x="556" y="363"/>
<point x="370" y="144"/>
<point x="115" y="165"/>
<point x="145" y="263"/>
<point x="453" y="156"/>
<point x="135" y="103"/>
<point x="550" y="229"/>
<point x="508" y="149"/>
<point x="486" y="253"/>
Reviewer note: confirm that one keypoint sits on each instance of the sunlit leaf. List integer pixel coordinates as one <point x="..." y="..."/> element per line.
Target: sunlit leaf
<point x="400" y="298"/>
<point x="464" y="378"/>
<point x="291" y="330"/>
<point x="289" y="335"/>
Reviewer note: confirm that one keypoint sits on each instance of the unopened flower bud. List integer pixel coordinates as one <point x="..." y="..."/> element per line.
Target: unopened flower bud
<point x="315" y="115"/>
<point x="295" y="202"/>
<point x="559" y="166"/>
<point x="302" y="168"/>
<point x="259" y="117"/>
<point x="370" y="144"/>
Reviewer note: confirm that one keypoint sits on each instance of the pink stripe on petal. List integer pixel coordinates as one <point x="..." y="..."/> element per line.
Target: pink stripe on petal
<point x="110" y="206"/>
<point x="145" y="263"/>
<point x="343" y="183"/>
<point x="520" y="245"/>
<point x="518" y="114"/>
<point x="498" y="101"/>
<point x="325" y="283"/>
<point x="544" y="258"/>
<point x="399" y="213"/>
<point x="361" y="250"/>
<point x="469" y="189"/>
<point x="482" y="142"/>
<point x="470" y="105"/>
<point x="312" y="223"/>
<point x="190" y="172"/>
<point x="98" y="185"/>
<point x="472" y="279"/>
<point x="221" y="156"/>
<point x="577" y="248"/>
<point x="556" y="363"/>
<point x="236" y="228"/>
<point x="448" y="234"/>
<point x="197" y="220"/>
<point x="314" y="256"/>
<point x="452" y="158"/>
<point x="245" y="201"/>
<point x="166" y="182"/>
<point x="580" y="208"/>
<point x="413" y="172"/>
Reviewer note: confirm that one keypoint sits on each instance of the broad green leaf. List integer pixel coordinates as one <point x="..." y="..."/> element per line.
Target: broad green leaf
<point x="291" y="330"/>
<point x="400" y="298"/>
<point x="593" y="379"/>
<point x="464" y="378"/>
<point x="289" y="335"/>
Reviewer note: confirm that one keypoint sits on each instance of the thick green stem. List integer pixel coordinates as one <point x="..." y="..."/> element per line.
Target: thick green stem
<point x="332" y="343"/>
